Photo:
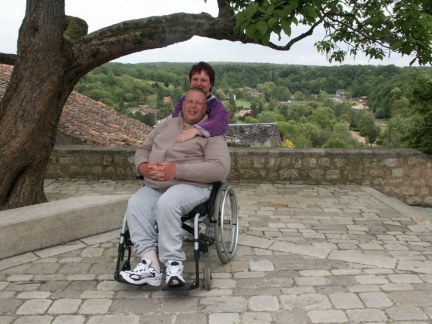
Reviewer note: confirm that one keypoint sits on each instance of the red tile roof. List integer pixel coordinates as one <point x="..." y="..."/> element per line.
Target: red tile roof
<point x="90" y="121"/>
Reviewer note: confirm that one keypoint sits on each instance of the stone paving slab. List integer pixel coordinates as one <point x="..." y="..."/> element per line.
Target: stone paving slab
<point x="307" y="254"/>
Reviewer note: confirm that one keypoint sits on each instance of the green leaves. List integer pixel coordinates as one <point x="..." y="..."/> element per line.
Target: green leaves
<point x="257" y="22"/>
<point x="372" y="27"/>
<point x="262" y="27"/>
<point x="286" y="26"/>
<point x="250" y="12"/>
<point x="310" y="13"/>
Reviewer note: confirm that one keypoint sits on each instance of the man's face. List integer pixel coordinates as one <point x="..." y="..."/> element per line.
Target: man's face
<point x="201" y="80"/>
<point x="194" y="107"/>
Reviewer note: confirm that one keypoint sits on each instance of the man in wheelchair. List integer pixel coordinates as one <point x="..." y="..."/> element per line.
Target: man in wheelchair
<point x="178" y="175"/>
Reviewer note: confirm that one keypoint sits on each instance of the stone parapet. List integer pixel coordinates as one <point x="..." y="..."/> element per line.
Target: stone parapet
<point x="92" y="162"/>
<point x="400" y="173"/>
<point x="247" y="135"/>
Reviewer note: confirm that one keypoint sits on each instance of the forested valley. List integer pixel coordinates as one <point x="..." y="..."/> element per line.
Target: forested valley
<point x="314" y="106"/>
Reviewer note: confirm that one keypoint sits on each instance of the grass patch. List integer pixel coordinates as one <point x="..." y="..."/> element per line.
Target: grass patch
<point x="243" y="103"/>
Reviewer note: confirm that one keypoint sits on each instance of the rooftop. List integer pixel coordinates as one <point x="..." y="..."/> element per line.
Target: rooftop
<point x="90" y="121"/>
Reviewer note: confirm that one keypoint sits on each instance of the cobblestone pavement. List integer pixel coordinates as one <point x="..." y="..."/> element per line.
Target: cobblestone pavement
<point x="307" y="254"/>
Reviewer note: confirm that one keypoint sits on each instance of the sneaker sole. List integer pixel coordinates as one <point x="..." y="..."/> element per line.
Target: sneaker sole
<point x="175" y="281"/>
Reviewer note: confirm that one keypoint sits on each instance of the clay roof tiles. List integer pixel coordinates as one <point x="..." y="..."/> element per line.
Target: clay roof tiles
<point x="90" y="121"/>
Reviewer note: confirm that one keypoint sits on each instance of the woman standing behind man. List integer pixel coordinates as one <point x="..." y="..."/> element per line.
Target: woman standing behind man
<point x="202" y="75"/>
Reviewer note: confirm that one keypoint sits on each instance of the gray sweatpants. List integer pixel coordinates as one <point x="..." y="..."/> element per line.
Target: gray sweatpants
<point x="149" y="206"/>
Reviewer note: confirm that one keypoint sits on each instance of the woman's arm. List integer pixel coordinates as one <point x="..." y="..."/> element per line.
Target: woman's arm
<point x="178" y="107"/>
<point x="217" y="123"/>
<point x="218" y="119"/>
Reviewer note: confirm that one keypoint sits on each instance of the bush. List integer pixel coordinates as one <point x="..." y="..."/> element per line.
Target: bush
<point x="335" y="143"/>
<point x="287" y="143"/>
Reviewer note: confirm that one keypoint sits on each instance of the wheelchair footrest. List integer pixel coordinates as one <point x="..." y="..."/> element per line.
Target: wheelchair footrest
<point x="185" y="287"/>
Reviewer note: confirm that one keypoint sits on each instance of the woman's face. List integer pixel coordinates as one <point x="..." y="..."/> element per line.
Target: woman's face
<point x="201" y="80"/>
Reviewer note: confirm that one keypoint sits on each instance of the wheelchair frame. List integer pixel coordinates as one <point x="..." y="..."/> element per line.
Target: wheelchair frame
<point x="222" y="210"/>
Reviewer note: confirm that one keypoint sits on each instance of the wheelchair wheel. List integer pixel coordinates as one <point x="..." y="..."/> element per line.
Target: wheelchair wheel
<point x="207" y="277"/>
<point x="226" y="227"/>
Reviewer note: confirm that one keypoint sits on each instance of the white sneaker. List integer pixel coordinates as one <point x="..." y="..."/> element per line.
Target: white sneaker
<point x="142" y="274"/>
<point x="174" y="273"/>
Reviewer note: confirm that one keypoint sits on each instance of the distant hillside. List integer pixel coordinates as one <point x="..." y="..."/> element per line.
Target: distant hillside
<point x="92" y="122"/>
<point x="129" y="85"/>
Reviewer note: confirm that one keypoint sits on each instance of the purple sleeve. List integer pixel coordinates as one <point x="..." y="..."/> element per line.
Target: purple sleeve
<point x="218" y="121"/>
<point x="178" y="107"/>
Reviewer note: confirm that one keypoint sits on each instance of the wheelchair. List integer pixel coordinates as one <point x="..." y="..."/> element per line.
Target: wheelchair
<point x="221" y="210"/>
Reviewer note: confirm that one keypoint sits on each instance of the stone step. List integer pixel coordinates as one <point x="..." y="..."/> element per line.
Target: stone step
<point x="35" y="227"/>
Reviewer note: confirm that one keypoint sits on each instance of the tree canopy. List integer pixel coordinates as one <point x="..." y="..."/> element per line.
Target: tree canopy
<point x="373" y="27"/>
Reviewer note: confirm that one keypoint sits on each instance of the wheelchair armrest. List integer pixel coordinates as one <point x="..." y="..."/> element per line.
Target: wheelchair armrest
<point x="202" y="209"/>
<point x="212" y="199"/>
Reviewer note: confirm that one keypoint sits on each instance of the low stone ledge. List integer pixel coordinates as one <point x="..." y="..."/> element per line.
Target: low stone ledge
<point x="404" y="174"/>
<point x="36" y="227"/>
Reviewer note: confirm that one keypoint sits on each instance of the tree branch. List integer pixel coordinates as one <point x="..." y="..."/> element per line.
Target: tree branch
<point x="294" y="40"/>
<point x="138" y="35"/>
<point x="360" y="31"/>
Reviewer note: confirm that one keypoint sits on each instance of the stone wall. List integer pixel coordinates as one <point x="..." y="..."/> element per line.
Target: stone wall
<point x="246" y="135"/>
<point x="91" y="162"/>
<point x="401" y="173"/>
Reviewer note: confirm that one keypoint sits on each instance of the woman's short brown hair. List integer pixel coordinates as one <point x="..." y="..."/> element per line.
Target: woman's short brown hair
<point x="203" y="66"/>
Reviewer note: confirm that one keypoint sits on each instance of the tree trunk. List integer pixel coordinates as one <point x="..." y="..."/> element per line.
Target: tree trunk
<point x="50" y="61"/>
<point x="28" y="125"/>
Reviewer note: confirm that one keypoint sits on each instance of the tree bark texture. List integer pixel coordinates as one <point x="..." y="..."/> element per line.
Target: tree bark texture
<point x="31" y="106"/>
<point x="47" y="66"/>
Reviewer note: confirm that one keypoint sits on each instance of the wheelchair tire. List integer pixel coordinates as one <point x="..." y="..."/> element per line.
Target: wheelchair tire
<point x="207" y="277"/>
<point x="226" y="227"/>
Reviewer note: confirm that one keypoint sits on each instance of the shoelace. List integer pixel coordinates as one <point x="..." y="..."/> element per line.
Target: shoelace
<point x="143" y="267"/>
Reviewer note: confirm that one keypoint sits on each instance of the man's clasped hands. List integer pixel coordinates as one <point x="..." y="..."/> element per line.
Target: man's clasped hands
<point x="159" y="171"/>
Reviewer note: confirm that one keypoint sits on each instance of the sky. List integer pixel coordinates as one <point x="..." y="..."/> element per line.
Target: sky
<point x="102" y="13"/>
